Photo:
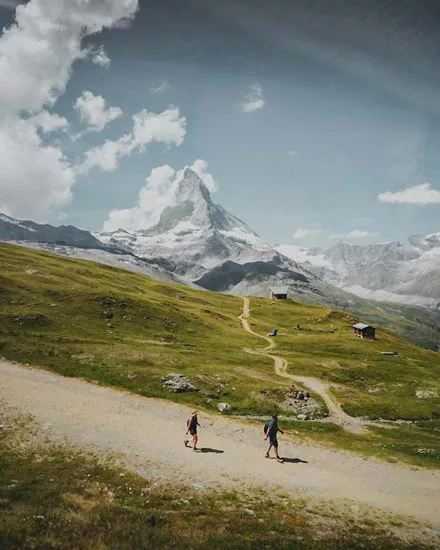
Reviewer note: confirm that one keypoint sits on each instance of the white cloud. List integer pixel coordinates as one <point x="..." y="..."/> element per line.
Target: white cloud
<point x="158" y="193"/>
<point x="100" y="58"/>
<point x="303" y="233"/>
<point x="154" y="197"/>
<point x="36" y="56"/>
<point x="355" y="234"/>
<point x="93" y="111"/>
<point x="106" y="156"/>
<point x="254" y="99"/>
<point x="49" y="122"/>
<point x="418" y="194"/>
<point x="161" y="88"/>
<point x="167" y="127"/>
<point x="37" y="52"/>
<point x="35" y="179"/>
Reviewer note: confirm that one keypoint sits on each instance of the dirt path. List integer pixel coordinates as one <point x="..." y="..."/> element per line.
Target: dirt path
<point x="106" y="420"/>
<point x="337" y="415"/>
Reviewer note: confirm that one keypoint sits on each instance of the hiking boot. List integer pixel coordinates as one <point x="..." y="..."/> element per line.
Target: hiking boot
<point x="266" y="455"/>
<point x="280" y="460"/>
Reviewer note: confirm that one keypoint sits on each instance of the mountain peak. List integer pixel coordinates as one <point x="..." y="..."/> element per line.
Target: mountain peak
<point x="192" y="188"/>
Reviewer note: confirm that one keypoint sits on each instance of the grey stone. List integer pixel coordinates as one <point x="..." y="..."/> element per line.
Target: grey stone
<point x="224" y="407"/>
<point x="302" y="417"/>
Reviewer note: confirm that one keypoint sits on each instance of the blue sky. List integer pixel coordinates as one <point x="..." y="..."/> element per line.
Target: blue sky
<point x="342" y="108"/>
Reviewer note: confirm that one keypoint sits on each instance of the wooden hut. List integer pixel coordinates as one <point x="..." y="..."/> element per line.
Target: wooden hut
<point x="364" y="331"/>
<point x="278" y="292"/>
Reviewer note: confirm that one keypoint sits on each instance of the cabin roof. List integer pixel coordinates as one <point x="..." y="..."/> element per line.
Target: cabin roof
<point x="279" y="289"/>
<point x="361" y="326"/>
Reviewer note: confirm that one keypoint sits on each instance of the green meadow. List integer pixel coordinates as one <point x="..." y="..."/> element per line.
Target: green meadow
<point x="125" y="330"/>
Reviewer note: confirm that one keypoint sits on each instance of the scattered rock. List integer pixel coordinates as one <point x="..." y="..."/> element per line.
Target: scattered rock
<point x="224" y="407"/>
<point x="301" y="417"/>
<point x="426" y="394"/>
<point x="178" y="383"/>
<point x="32" y="271"/>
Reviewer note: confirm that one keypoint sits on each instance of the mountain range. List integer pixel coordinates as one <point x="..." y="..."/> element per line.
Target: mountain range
<point x="198" y="242"/>
<point x="406" y="273"/>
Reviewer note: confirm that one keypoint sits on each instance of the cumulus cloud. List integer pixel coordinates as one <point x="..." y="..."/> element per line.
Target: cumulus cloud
<point x="93" y="111"/>
<point x="254" y="99"/>
<point x="36" y="56"/>
<point x="418" y="194"/>
<point x="167" y="127"/>
<point x="35" y="178"/>
<point x="161" y="88"/>
<point x="38" y="50"/>
<point x="303" y="233"/>
<point x="355" y="234"/>
<point x="49" y="122"/>
<point x="158" y="193"/>
<point x="100" y="58"/>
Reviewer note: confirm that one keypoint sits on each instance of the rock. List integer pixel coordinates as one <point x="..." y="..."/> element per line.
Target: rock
<point x="179" y="383"/>
<point x="426" y="394"/>
<point x="224" y="407"/>
<point x="301" y="417"/>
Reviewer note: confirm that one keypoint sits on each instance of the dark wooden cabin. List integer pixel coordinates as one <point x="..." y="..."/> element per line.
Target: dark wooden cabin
<point x="364" y="331"/>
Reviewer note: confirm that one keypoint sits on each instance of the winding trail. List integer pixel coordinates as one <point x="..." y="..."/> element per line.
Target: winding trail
<point x="337" y="415"/>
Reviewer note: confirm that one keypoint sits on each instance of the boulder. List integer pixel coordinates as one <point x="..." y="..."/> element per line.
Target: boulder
<point x="224" y="407"/>
<point x="179" y="383"/>
<point x="302" y="417"/>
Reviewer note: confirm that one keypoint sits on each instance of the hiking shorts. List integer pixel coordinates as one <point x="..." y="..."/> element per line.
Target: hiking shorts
<point x="273" y="441"/>
<point x="193" y="431"/>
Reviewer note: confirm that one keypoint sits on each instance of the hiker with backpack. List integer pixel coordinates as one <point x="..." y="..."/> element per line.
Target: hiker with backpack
<point x="271" y="430"/>
<point x="191" y="426"/>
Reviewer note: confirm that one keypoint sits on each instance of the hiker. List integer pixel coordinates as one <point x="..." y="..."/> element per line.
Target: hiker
<point x="191" y="426"/>
<point x="271" y="430"/>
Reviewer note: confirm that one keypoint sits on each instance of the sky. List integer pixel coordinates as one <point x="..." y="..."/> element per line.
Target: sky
<point x="313" y="122"/>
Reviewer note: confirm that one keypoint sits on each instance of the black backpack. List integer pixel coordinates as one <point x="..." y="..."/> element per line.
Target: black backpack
<point x="266" y="427"/>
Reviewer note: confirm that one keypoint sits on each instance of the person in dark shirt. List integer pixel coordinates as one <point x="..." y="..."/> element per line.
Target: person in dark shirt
<point x="271" y="433"/>
<point x="191" y="426"/>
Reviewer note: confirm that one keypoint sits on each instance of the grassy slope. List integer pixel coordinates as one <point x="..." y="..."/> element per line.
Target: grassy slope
<point x="54" y="313"/>
<point x="375" y="385"/>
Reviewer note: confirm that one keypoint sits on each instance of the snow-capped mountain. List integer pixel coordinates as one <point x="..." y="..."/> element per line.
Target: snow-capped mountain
<point x="407" y="273"/>
<point x="18" y="230"/>
<point x="77" y="243"/>
<point x="203" y="243"/>
<point x="194" y="234"/>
